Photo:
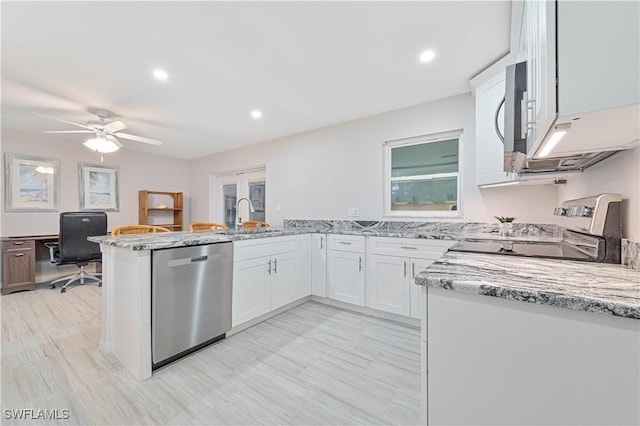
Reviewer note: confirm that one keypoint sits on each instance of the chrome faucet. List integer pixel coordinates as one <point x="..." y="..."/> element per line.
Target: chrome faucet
<point x="238" y="218"/>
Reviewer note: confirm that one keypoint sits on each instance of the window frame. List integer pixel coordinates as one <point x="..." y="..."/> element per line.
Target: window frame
<point x="419" y="140"/>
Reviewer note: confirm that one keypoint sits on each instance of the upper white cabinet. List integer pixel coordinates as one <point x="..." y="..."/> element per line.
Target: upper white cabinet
<point x="489" y="127"/>
<point x="319" y="265"/>
<point x="345" y="269"/>
<point x="594" y="49"/>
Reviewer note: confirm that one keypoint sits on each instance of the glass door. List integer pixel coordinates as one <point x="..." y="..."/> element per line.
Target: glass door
<point x="250" y="184"/>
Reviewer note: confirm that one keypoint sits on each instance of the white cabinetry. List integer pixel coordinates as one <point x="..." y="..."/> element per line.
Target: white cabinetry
<point x="490" y="121"/>
<point x="319" y="265"/>
<point x="345" y="269"/>
<point x="268" y="273"/>
<point x="392" y="264"/>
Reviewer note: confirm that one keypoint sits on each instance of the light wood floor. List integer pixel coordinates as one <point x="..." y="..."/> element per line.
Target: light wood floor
<point x="314" y="364"/>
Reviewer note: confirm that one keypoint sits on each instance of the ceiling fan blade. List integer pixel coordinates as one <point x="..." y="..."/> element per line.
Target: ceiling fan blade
<point x="68" y="131"/>
<point x="114" y="127"/>
<point x="64" y="121"/>
<point x="138" y="138"/>
<point x="114" y="140"/>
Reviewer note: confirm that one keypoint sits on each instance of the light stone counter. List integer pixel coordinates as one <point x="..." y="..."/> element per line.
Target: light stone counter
<point x="582" y="286"/>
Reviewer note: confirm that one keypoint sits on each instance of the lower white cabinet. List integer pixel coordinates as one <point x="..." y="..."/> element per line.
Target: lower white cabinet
<point x="345" y="269"/>
<point x="388" y="284"/>
<point x="319" y="265"/>
<point x="268" y="274"/>
<point x="391" y="284"/>
<point x="251" y="295"/>
<point x="392" y="265"/>
<point x="282" y="277"/>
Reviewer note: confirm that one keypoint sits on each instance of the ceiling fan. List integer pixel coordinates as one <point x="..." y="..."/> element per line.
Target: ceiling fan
<point x="106" y="133"/>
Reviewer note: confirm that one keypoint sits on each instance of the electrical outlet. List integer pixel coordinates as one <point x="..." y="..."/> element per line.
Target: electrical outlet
<point x="352" y="211"/>
<point x="278" y="208"/>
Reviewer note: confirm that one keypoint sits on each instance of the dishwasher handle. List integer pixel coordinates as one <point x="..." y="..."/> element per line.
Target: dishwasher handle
<point x="189" y="260"/>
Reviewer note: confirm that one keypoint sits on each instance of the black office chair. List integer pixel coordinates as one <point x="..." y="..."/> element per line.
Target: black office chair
<point x="73" y="248"/>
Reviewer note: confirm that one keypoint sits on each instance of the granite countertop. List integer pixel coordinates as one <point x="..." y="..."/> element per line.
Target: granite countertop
<point x="582" y="286"/>
<point x="437" y="231"/>
<point x="162" y="240"/>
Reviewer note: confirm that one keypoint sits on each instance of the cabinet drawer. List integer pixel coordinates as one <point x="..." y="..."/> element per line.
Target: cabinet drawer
<point x="352" y="243"/>
<point x="410" y="247"/>
<point x="260" y="247"/>
<point x="18" y="245"/>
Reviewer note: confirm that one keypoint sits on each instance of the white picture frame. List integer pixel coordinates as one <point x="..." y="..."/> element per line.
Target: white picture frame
<point x="31" y="183"/>
<point x="99" y="190"/>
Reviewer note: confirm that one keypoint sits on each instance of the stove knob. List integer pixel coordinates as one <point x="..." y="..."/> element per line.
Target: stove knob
<point x="580" y="211"/>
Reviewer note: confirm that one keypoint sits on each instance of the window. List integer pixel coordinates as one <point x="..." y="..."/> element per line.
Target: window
<point x="230" y="188"/>
<point x="422" y="176"/>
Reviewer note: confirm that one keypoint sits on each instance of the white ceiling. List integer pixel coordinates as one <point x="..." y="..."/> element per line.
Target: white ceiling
<point x="306" y="65"/>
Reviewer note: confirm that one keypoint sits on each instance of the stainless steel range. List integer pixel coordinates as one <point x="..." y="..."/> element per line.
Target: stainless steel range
<point x="593" y="234"/>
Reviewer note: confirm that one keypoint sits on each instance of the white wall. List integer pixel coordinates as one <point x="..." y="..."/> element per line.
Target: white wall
<point x="136" y="171"/>
<point x="619" y="174"/>
<point x="318" y="174"/>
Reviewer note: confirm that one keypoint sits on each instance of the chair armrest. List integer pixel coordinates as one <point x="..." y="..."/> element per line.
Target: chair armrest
<point x="53" y="250"/>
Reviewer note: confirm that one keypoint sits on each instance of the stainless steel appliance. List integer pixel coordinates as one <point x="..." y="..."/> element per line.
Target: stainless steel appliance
<point x="191" y="299"/>
<point x="518" y="149"/>
<point x="593" y="233"/>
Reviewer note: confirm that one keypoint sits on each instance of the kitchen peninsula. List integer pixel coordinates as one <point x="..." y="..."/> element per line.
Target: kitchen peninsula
<point x="533" y="341"/>
<point x="499" y="328"/>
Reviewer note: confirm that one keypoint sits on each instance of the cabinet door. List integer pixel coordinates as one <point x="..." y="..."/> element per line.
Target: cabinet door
<point x="283" y="280"/>
<point x="345" y="276"/>
<point x="250" y="289"/>
<point x="18" y="269"/>
<point x="541" y="69"/>
<point x="319" y="265"/>
<point x="489" y="146"/>
<point x="388" y="284"/>
<point x="417" y="266"/>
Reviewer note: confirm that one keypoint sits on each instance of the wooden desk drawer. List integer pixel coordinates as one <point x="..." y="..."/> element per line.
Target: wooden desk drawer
<point x="14" y="245"/>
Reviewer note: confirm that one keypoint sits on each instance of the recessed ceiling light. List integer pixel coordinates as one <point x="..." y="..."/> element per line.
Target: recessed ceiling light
<point x="256" y="114"/>
<point x="427" y="56"/>
<point x="160" y="74"/>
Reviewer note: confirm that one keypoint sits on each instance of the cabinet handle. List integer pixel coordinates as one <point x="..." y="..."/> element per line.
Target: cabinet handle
<point x="409" y="248"/>
<point x="269" y="270"/>
<point x="275" y="266"/>
<point x="405" y="268"/>
<point x="18" y="243"/>
<point x="18" y="255"/>
<point x="360" y="263"/>
<point x="495" y="120"/>
<point x="347" y="243"/>
<point x="321" y="238"/>
<point x="413" y="269"/>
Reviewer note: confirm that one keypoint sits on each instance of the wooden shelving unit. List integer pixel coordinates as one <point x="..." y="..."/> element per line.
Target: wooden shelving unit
<point x="149" y="215"/>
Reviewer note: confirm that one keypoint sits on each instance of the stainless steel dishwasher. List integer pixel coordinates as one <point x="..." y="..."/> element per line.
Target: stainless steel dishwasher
<point x="191" y="299"/>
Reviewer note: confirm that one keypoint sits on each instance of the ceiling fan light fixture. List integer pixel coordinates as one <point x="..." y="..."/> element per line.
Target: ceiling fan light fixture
<point x="101" y="145"/>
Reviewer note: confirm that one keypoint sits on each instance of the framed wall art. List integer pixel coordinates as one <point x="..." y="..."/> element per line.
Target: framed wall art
<point x="98" y="187"/>
<point x="31" y="183"/>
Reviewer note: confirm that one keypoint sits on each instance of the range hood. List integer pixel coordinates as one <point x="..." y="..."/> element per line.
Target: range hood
<point x="581" y="140"/>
